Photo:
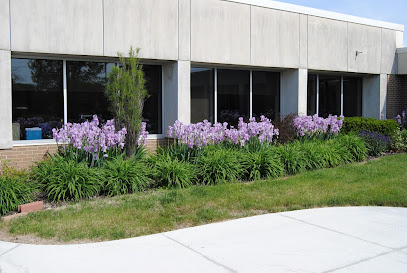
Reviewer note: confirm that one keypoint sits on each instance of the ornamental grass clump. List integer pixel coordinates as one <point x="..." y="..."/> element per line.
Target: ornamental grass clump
<point x="218" y="166"/>
<point x="314" y="126"/>
<point x="64" y="179"/>
<point x="170" y="172"/>
<point x="124" y="176"/>
<point x="293" y="157"/>
<point x="14" y="191"/>
<point x="91" y="142"/>
<point x="263" y="163"/>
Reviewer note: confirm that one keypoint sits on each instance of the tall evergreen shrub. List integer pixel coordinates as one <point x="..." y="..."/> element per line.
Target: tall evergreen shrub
<point x="126" y="92"/>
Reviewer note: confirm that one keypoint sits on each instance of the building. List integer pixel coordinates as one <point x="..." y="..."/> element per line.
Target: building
<point x="204" y="59"/>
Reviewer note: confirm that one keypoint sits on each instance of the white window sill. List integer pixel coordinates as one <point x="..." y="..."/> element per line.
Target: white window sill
<point x="39" y="142"/>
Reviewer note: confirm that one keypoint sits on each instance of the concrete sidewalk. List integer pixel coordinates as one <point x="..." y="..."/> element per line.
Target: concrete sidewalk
<point x="364" y="239"/>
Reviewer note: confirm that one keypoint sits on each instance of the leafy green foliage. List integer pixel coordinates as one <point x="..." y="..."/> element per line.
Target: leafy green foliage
<point x="293" y="157"/>
<point x="265" y="163"/>
<point x="14" y="191"/>
<point x="172" y="173"/>
<point x="63" y="179"/>
<point x="359" y="124"/>
<point x="181" y="151"/>
<point x="124" y="176"/>
<point x="217" y="166"/>
<point x="126" y="92"/>
<point x="354" y="144"/>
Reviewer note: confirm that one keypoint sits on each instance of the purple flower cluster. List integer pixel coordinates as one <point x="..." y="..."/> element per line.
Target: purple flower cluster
<point x="314" y="125"/>
<point x="91" y="138"/>
<point x="401" y="120"/>
<point x="204" y="133"/>
<point x="143" y="135"/>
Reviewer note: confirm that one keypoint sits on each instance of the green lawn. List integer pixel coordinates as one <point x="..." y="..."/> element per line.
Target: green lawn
<point x="381" y="182"/>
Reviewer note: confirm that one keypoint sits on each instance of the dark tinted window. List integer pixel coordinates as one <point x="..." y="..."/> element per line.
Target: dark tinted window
<point x="233" y="95"/>
<point x="202" y="93"/>
<point x="37" y="93"/>
<point x="86" y="82"/>
<point x="329" y="95"/>
<point x="266" y="94"/>
<point x="312" y="95"/>
<point x="152" y="111"/>
<point x="352" y="96"/>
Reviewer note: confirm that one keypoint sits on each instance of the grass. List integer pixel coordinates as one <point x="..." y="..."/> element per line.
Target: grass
<point x="381" y="182"/>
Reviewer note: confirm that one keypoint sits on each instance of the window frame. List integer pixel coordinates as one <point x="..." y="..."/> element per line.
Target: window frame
<point x="215" y="83"/>
<point x="64" y="90"/>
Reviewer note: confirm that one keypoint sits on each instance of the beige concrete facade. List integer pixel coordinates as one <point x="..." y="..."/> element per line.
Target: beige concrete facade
<point x="177" y="33"/>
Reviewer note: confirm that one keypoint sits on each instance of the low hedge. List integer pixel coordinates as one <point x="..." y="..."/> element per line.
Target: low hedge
<point x="360" y="124"/>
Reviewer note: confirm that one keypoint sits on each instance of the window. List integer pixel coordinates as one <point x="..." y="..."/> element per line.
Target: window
<point x="312" y="95"/>
<point x="38" y="96"/>
<point x="334" y="95"/>
<point x="352" y="97"/>
<point x="152" y="111"/>
<point x="224" y="95"/>
<point x="202" y="94"/>
<point x="329" y="96"/>
<point x="37" y="104"/>
<point x="86" y="82"/>
<point x="266" y="94"/>
<point x="233" y="95"/>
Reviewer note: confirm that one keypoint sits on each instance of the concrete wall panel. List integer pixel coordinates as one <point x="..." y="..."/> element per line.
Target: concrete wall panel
<point x="402" y="63"/>
<point x="57" y="26"/>
<point x="303" y="41"/>
<point x="293" y="97"/>
<point x="327" y="44"/>
<point x="6" y="138"/>
<point x="184" y="30"/>
<point x="374" y="96"/>
<point x="367" y="40"/>
<point x="389" y="47"/>
<point x="220" y="32"/>
<point x="150" y="25"/>
<point x="4" y="25"/>
<point x="275" y="38"/>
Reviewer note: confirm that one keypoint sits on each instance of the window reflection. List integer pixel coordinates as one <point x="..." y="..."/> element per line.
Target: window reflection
<point x="86" y="83"/>
<point x="266" y="94"/>
<point x="233" y="95"/>
<point x="37" y="97"/>
<point x="312" y="95"/>
<point x="202" y="94"/>
<point x="329" y="95"/>
<point x="352" y="96"/>
<point x="152" y="111"/>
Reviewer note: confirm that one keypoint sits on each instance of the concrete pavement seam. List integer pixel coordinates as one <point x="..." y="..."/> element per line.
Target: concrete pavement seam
<point x="11" y="249"/>
<point x="202" y="255"/>
<point x="360" y="261"/>
<point x="342" y="233"/>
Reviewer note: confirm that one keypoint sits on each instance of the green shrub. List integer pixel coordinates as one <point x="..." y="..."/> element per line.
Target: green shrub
<point x="124" y="176"/>
<point x="264" y="163"/>
<point x="359" y="124"/>
<point x="355" y="145"/>
<point x="404" y="139"/>
<point x="293" y="157"/>
<point x="14" y="191"/>
<point x="63" y="179"/>
<point x="217" y="166"/>
<point x="171" y="173"/>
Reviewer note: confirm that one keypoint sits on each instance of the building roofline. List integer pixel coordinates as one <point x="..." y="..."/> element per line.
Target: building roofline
<point x="319" y="13"/>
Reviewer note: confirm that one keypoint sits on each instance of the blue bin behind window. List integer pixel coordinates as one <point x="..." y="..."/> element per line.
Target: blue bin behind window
<point x="33" y="133"/>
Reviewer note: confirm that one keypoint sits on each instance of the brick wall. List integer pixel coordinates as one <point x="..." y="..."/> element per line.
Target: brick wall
<point x="396" y="95"/>
<point x="22" y="157"/>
